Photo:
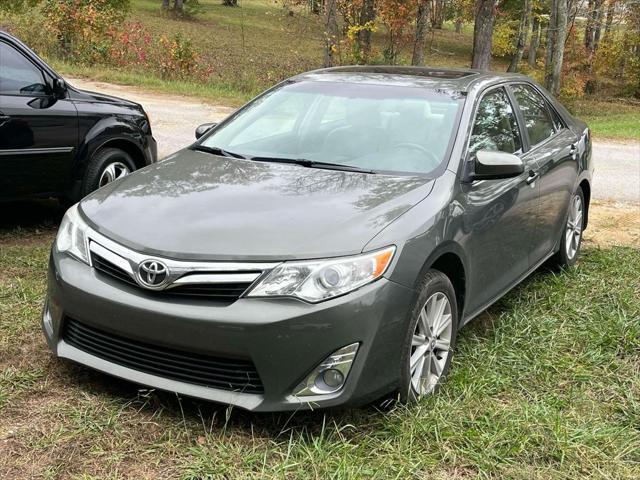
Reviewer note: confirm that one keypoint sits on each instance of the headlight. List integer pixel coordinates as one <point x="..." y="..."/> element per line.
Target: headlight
<point x="71" y="235"/>
<point x="318" y="280"/>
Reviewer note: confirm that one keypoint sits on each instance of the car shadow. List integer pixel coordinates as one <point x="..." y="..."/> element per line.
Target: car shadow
<point x="30" y="214"/>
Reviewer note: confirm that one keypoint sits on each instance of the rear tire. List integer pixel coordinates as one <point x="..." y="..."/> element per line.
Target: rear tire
<point x="571" y="236"/>
<point x="106" y="165"/>
<point x="430" y="339"/>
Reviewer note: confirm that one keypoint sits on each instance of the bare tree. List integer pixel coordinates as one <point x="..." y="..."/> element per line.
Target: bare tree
<point x="485" y="14"/>
<point x="422" y="26"/>
<point x="523" y="31"/>
<point x="330" y="31"/>
<point x="534" y="41"/>
<point x="556" y="36"/>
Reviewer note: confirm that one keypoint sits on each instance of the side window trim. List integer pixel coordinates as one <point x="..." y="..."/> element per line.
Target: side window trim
<point x="479" y="98"/>
<point x="43" y="74"/>
<point x="552" y="113"/>
<point x="526" y="142"/>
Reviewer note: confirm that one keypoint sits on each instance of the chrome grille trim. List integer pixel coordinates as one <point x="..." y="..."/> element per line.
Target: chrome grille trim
<point x="182" y="266"/>
<point x="229" y="276"/>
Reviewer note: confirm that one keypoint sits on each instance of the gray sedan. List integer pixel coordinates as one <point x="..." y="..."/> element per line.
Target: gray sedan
<point x="324" y="244"/>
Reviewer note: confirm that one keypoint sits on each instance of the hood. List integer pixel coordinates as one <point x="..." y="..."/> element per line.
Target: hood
<point x="199" y="206"/>
<point x="95" y="97"/>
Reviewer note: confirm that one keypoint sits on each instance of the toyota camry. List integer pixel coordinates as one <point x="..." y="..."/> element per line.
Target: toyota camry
<point x="325" y="243"/>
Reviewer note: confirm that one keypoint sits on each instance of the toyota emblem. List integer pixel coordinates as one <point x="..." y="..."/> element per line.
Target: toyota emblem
<point x="152" y="273"/>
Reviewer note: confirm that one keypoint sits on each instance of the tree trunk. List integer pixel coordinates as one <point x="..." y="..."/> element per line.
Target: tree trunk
<point x="330" y="32"/>
<point x="458" y="24"/>
<point x="230" y="3"/>
<point x="314" y="6"/>
<point x="594" y="25"/>
<point x="534" y="42"/>
<point x="588" y="28"/>
<point x="611" y="11"/>
<point x="592" y="34"/>
<point x="178" y="7"/>
<point x="598" y="24"/>
<point x="165" y="4"/>
<point x="422" y="26"/>
<point x="367" y="14"/>
<point x="523" y="31"/>
<point x="485" y="11"/>
<point x="437" y="15"/>
<point x="556" y="33"/>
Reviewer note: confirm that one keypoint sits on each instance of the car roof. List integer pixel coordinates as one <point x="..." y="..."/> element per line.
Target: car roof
<point x="453" y="79"/>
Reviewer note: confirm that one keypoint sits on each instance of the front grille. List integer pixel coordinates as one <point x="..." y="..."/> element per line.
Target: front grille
<point x="220" y="292"/>
<point x="108" y="268"/>
<point x="222" y="373"/>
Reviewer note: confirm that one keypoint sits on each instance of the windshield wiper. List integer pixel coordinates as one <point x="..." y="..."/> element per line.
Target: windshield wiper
<point x="217" y="151"/>
<point x="314" y="164"/>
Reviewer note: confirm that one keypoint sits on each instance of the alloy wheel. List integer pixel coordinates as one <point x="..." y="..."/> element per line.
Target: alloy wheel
<point x="112" y="172"/>
<point x="431" y="343"/>
<point x="573" y="232"/>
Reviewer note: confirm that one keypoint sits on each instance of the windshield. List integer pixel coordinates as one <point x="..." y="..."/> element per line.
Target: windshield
<point x="370" y="127"/>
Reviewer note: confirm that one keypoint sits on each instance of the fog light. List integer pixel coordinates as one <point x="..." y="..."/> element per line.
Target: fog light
<point x="330" y="375"/>
<point x="332" y="378"/>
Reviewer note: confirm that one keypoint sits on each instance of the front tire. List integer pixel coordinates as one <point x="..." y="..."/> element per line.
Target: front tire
<point x="106" y="165"/>
<point x="430" y="338"/>
<point x="571" y="238"/>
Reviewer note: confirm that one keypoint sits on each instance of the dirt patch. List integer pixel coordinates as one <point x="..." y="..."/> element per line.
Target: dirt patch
<point x="613" y="224"/>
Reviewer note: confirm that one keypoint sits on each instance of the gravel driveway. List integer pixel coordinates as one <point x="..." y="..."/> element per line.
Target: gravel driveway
<point x="174" y="119"/>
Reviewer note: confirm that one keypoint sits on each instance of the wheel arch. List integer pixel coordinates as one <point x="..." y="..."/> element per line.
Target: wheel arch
<point x="125" y="145"/>
<point x="450" y="259"/>
<point x="585" y="186"/>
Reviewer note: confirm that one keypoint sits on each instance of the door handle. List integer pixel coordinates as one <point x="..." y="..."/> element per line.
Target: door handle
<point x="533" y="176"/>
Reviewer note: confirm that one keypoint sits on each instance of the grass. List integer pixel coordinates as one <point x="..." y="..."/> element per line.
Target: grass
<point x="544" y="385"/>
<point x="218" y="92"/>
<point x="613" y="119"/>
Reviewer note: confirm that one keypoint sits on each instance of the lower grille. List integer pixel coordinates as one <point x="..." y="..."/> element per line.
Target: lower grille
<point x="222" y="373"/>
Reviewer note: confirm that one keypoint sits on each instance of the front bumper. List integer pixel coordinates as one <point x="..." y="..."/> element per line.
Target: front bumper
<point x="285" y="338"/>
<point x="151" y="150"/>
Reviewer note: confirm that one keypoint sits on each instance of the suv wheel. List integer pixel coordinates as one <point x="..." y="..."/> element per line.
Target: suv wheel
<point x="107" y="165"/>
<point x="430" y="339"/>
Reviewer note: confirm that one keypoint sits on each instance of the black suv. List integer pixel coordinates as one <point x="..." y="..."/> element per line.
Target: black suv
<point x="56" y="140"/>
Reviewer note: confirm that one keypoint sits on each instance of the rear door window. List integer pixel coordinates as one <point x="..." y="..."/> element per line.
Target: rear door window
<point x="495" y="127"/>
<point x="538" y="119"/>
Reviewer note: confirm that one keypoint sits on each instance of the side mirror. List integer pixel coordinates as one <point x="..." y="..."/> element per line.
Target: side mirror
<point x="490" y="165"/>
<point x="204" y="128"/>
<point x="59" y="88"/>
